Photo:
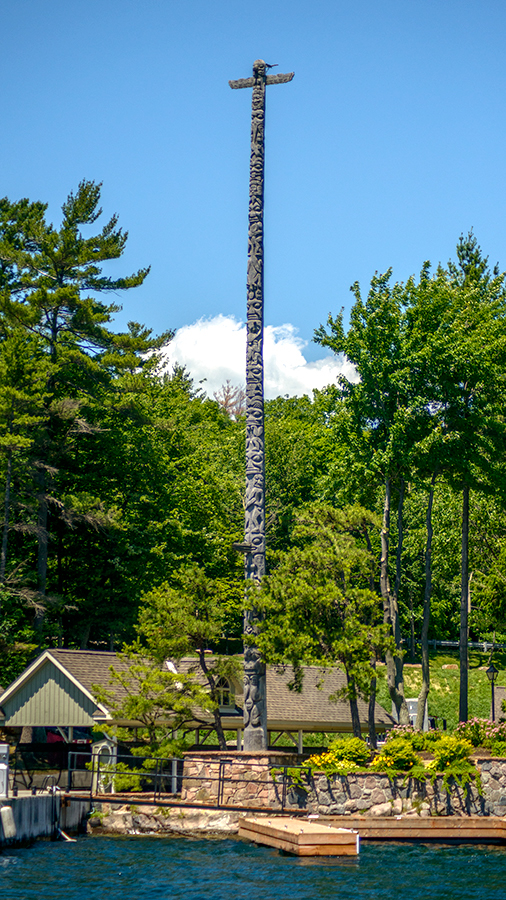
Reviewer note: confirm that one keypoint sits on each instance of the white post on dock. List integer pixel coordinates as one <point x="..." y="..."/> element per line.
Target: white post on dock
<point x="174" y="776"/>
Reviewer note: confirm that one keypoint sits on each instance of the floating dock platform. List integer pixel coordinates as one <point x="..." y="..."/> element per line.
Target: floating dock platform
<point x="302" y="837"/>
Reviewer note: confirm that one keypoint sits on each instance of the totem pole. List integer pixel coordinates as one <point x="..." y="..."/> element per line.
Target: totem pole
<point x="255" y="700"/>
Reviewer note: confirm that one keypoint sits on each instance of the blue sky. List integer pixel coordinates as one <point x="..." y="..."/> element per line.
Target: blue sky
<point x="386" y="145"/>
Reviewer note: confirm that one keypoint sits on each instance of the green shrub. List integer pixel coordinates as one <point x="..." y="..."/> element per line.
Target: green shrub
<point x="431" y="738"/>
<point x="344" y="756"/>
<point x="482" y="732"/>
<point x="475" y="731"/>
<point x="451" y="758"/>
<point x="127" y="780"/>
<point x="397" y="755"/>
<point x="498" y="748"/>
<point x="407" y="733"/>
<point x="350" y="749"/>
<point x="419" y="740"/>
<point x="449" y="749"/>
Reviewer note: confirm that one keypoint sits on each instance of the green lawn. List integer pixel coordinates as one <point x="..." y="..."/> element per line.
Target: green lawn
<point x="444" y="685"/>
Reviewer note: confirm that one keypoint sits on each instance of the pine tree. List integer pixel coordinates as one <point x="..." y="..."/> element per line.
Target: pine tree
<point x="51" y="279"/>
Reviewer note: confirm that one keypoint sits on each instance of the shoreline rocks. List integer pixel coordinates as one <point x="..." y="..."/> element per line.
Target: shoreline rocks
<point x="131" y="819"/>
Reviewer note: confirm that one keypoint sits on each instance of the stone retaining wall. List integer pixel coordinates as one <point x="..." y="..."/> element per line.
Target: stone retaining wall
<point x="239" y="779"/>
<point x="247" y="781"/>
<point x="375" y="794"/>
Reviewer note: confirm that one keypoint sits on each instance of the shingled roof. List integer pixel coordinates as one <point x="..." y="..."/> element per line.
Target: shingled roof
<point x="92" y="667"/>
<point x="311" y="709"/>
<point x="56" y="689"/>
<point x="59" y="684"/>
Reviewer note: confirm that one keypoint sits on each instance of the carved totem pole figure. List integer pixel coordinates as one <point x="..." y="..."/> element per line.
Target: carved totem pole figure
<point x="255" y="700"/>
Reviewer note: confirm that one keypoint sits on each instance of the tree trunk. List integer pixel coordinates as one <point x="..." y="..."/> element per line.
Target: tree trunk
<point x="412" y="623"/>
<point x="398" y="555"/>
<point x="373" y="742"/>
<point x="216" y="710"/>
<point x="464" y="608"/>
<point x="85" y="636"/>
<point x="352" y="698"/>
<point x="395" y="674"/>
<point x="42" y="546"/>
<point x="424" y="693"/>
<point x="5" y="531"/>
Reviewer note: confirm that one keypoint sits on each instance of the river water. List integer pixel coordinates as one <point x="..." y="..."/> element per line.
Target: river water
<point x="149" y="868"/>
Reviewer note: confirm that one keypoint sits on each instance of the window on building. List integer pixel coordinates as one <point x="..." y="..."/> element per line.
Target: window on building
<point x="226" y="696"/>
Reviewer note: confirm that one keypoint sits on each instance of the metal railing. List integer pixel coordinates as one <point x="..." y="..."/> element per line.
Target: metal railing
<point x="163" y="780"/>
<point x="484" y="646"/>
<point x="126" y="773"/>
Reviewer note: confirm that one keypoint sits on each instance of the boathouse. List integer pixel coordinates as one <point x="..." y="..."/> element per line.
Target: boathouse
<point x="56" y="691"/>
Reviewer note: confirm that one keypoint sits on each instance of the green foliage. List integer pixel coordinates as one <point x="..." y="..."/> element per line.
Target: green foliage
<point x="58" y="357"/>
<point x="300" y="447"/>
<point x="482" y="732"/>
<point x="184" y="619"/>
<point x="449" y="749"/>
<point x="451" y="759"/>
<point x="350" y="748"/>
<point x="417" y="739"/>
<point x="396" y="756"/>
<point x="152" y="699"/>
<point x="343" y="757"/>
<point x="125" y="778"/>
<point x="318" y="606"/>
<point x="178" y="619"/>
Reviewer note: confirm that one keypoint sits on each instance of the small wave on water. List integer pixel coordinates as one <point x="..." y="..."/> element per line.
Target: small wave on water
<point x="120" y="868"/>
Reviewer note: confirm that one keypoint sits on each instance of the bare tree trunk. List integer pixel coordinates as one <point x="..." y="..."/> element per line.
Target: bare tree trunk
<point x="395" y="674"/>
<point x="424" y="693"/>
<point x="352" y="698"/>
<point x="7" y="507"/>
<point x="412" y="622"/>
<point x="373" y="742"/>
<point x="85" y="636"/>
<point x="464" y="608"/>
<point x="216" y="710"/>
<point x="398" y="555"/>
<point x="42" y="546"/>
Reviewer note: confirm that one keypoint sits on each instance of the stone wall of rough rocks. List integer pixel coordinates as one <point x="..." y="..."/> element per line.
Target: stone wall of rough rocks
<point x="375" y="794"/>
<point x="131" y="819"/>
<point x="247" y="781"/>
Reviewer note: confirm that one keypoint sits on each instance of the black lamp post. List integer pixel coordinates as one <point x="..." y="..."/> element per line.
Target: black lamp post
<point x="492" y="674"/>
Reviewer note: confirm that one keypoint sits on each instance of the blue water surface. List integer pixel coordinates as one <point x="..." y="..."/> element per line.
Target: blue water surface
<point x="149" y="868"/>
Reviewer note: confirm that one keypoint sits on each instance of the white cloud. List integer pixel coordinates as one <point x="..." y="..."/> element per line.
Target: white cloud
<point x="215" y="350"/>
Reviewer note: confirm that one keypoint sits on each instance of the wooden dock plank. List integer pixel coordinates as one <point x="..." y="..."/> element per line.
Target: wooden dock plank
<point x="300" y="837"/>
<point x="298" y="830"/>
<point x="415" y="828"/>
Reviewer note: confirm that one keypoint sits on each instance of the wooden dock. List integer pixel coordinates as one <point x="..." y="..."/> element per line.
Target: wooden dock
<point x="302" y="837"/>
<point x="443" y="829"/>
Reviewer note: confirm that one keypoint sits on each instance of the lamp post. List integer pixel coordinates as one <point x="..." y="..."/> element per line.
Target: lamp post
<point x="492" y="674"/>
